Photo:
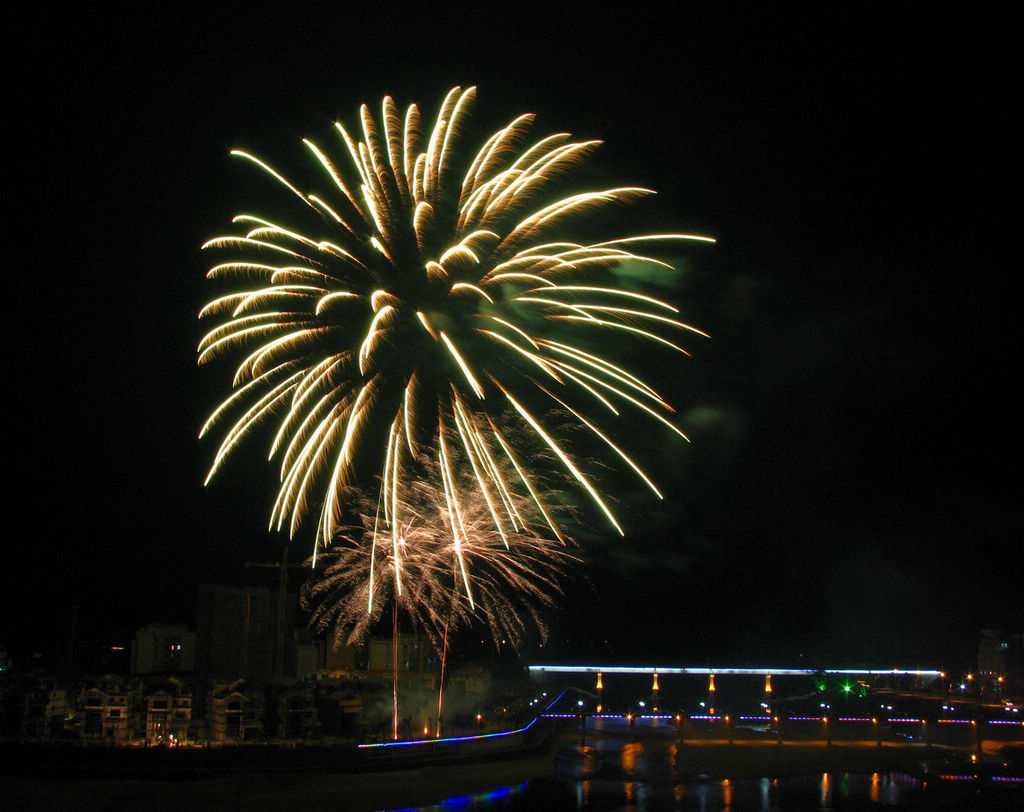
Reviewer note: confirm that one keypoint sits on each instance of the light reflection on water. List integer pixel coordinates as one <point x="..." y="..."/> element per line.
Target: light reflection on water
<point x="619" y="774"/>
<point x="843" y="791"/>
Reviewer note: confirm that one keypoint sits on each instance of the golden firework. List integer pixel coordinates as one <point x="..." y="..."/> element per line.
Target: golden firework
<point x="421" y="298"/>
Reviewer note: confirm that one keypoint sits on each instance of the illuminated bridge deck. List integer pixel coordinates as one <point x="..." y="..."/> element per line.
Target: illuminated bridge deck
<point x="711" y="670"/>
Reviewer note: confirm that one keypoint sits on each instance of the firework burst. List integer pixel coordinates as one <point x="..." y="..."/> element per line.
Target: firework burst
<point x="422" y="297"/>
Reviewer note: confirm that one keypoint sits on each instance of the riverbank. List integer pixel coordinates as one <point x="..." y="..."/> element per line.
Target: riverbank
<point x="311" y="788"/>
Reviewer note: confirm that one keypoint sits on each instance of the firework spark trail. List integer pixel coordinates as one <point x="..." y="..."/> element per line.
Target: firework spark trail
<point x="414" y="306"/>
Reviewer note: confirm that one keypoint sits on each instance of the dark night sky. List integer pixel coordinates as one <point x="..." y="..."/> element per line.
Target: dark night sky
<point x="851" y="492"/>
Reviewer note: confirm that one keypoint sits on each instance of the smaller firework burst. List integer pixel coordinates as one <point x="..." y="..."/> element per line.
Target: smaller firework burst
<point x="446" y="567"/>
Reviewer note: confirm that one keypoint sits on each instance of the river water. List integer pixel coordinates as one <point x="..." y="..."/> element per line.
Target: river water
<point x="805" y="792"/>
<point x="808" y="792"/>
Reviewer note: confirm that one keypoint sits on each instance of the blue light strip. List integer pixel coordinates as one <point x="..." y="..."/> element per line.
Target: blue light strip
<point x="707" y="670"/>
<point x="718" y="717"/>
<point x="555" y="701"/>
<point x="451" y="738"/>
<point x="464" y="738"/>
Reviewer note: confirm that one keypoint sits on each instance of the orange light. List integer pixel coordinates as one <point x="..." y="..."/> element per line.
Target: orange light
<point x="655" y="686"/>
<point x="767" y="683"/>
<point x="600" y="684"/>
<point x="711" y="682"/>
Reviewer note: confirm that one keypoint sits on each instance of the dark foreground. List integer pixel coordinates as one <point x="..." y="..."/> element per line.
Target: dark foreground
<point x="561" y="776"/>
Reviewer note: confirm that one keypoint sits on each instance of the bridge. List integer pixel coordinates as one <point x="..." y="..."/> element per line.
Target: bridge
<point x="917" y="674"/>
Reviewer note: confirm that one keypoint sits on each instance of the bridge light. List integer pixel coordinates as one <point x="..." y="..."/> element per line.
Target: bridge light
<point x="767" y="683"/>
<point x="600" y="683"/>
<point x="655" y="686"/>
